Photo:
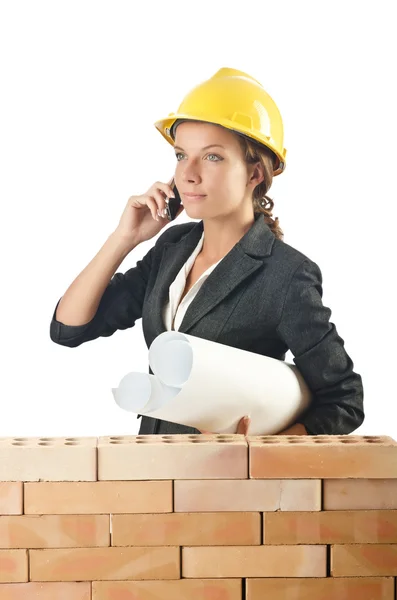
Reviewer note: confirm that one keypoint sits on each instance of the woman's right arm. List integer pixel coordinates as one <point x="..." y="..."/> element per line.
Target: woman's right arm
<point x="80" y="302"/>
<point x="98" y="302"/>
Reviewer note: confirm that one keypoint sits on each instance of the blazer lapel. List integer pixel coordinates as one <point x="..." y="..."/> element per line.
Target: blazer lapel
<point x="174" y="256"/>
<point x="240" y="263"/>
<point x="233" y="269"/>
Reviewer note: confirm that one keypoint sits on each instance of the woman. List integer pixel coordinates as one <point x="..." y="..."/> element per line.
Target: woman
<point x="230" y="277"/>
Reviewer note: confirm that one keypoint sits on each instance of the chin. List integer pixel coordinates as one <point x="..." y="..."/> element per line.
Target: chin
<point x="195" y="212"/>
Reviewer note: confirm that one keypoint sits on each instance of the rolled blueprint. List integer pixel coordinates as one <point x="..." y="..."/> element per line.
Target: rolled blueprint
<point x="211" y="386"/>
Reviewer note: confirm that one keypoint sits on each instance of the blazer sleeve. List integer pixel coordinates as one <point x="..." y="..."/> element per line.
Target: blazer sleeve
<point x="119" y="308"/>
<point x="319" y="354"/>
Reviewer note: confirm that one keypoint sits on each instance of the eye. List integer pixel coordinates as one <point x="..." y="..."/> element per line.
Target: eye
<point x="218" y="158"/>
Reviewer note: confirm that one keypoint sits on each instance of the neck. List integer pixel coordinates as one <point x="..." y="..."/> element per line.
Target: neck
<point x="221" y="234"/>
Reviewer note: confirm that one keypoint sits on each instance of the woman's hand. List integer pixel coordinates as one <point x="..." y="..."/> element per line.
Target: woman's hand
<point x="144" y="216"/>
<point x="242" y="427"/>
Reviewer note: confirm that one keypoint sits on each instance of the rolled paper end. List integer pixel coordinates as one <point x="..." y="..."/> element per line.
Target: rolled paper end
<point x="127" y="402"/>
<point x="174" y="363"/>
<point x="133" y="393"/>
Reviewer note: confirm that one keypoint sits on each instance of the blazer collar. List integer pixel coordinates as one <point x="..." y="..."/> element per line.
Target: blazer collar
<point x="241" y="262"/>
<point x="257" y="241"/>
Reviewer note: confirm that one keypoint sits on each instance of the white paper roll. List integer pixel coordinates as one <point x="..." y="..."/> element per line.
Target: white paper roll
<point x="210" y="386"/>
<point x="141" y="393"/>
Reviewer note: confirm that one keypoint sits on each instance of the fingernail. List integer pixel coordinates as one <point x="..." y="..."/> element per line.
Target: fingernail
<point x="247" y="418"/>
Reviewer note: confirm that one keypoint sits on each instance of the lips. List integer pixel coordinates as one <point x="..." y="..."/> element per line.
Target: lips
<point x="193" y="196"/>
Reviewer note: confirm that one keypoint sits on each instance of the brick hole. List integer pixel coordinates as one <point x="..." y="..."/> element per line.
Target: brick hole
<point x="224" y="436"/>
<point x="117" y="441"/>
<point x="47" y="439"/>
<point x="45" y="444"/>
<point x="170" y="441"/>
<point x="372" y="438"/>
<point x="319" y="441"/>
<point x="21" y="439"/>
<point x="295" y="441"/>
<point x="71" y="443"/>
<point x="349" y="441"/>
<point x="166" y="437"/>
<point x="374" y="441"/>
<point x="193" y="436"/>
<point x="19" y="444"/>
<point x="114" y="437"/>
<point x="142" y="441"/>
<point x="198" y="441"/>
<point x="71" y="440"/>
<point x="269" y="440"/>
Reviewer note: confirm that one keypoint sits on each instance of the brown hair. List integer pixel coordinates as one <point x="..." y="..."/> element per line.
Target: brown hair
<point x="255" y="152"/>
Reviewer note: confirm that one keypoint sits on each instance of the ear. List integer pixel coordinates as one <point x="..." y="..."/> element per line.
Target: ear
<point x="256" y="174"/>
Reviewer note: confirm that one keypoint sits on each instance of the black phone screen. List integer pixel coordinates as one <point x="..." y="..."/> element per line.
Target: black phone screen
<point x="173" y="204"/>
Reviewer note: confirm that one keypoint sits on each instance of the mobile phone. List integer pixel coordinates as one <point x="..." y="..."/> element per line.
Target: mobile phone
<point x="173" y="204"/>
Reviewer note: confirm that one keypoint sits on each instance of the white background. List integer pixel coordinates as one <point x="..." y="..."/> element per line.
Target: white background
<point x="81" y="85"/>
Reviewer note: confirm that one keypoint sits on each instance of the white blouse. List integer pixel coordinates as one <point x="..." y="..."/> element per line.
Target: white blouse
<point x="173" y="310"/>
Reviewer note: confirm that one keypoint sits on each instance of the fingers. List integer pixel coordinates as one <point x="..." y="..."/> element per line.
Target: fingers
<point x="159" y="192"/>
<point x="152" y="205"/>
<point x="160" y="204"/>
<point x="243" y="425"/>
<point x="164" y="187"/>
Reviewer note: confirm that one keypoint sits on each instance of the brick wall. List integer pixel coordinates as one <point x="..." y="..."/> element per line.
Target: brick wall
<point x="206" y="517"/>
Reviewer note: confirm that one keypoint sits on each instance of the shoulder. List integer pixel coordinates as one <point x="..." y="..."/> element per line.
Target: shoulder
<point x="175" y="233"/>
<point x="295" y="259"/>
<point x="289" y="252"/>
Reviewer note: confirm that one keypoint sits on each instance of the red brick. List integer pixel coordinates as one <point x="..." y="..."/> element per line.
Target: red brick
<point x="330" y="527"/>
<point x="247" y="495"/>
<point x="172" y="457"/>
<point x="13" y="566"/>
<point x="45" y="591"/>
<point x="182" y="589"/>
<point x="53" y="531"/>
<point x="254" y="561"/>
<point x="191" y="529"/>
<point x="360" y="560"/>
<point x="48" y="459"/>
<point x="360" y="494"/>
<point x="11" y="497"/>
<point x="323" y="588"/>
<point x="301" y="456"/>
<point x="98" y="497"/>
<point x="82" y="564"/>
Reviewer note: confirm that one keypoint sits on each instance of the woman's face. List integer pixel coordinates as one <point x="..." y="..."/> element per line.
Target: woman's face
<point x="210" y="163"/>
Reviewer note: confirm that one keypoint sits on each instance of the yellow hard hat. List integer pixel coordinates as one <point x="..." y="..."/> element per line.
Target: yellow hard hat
<point x="237" y="101"/>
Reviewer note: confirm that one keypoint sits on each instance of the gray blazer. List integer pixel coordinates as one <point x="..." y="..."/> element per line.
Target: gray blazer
<point x="264" y="296"/>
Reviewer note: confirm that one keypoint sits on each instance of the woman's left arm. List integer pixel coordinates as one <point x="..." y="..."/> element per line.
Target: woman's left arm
<point x="319" y="354"/>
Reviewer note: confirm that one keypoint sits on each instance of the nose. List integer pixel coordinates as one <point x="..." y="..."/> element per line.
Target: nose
<point x="191" y="173"/>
